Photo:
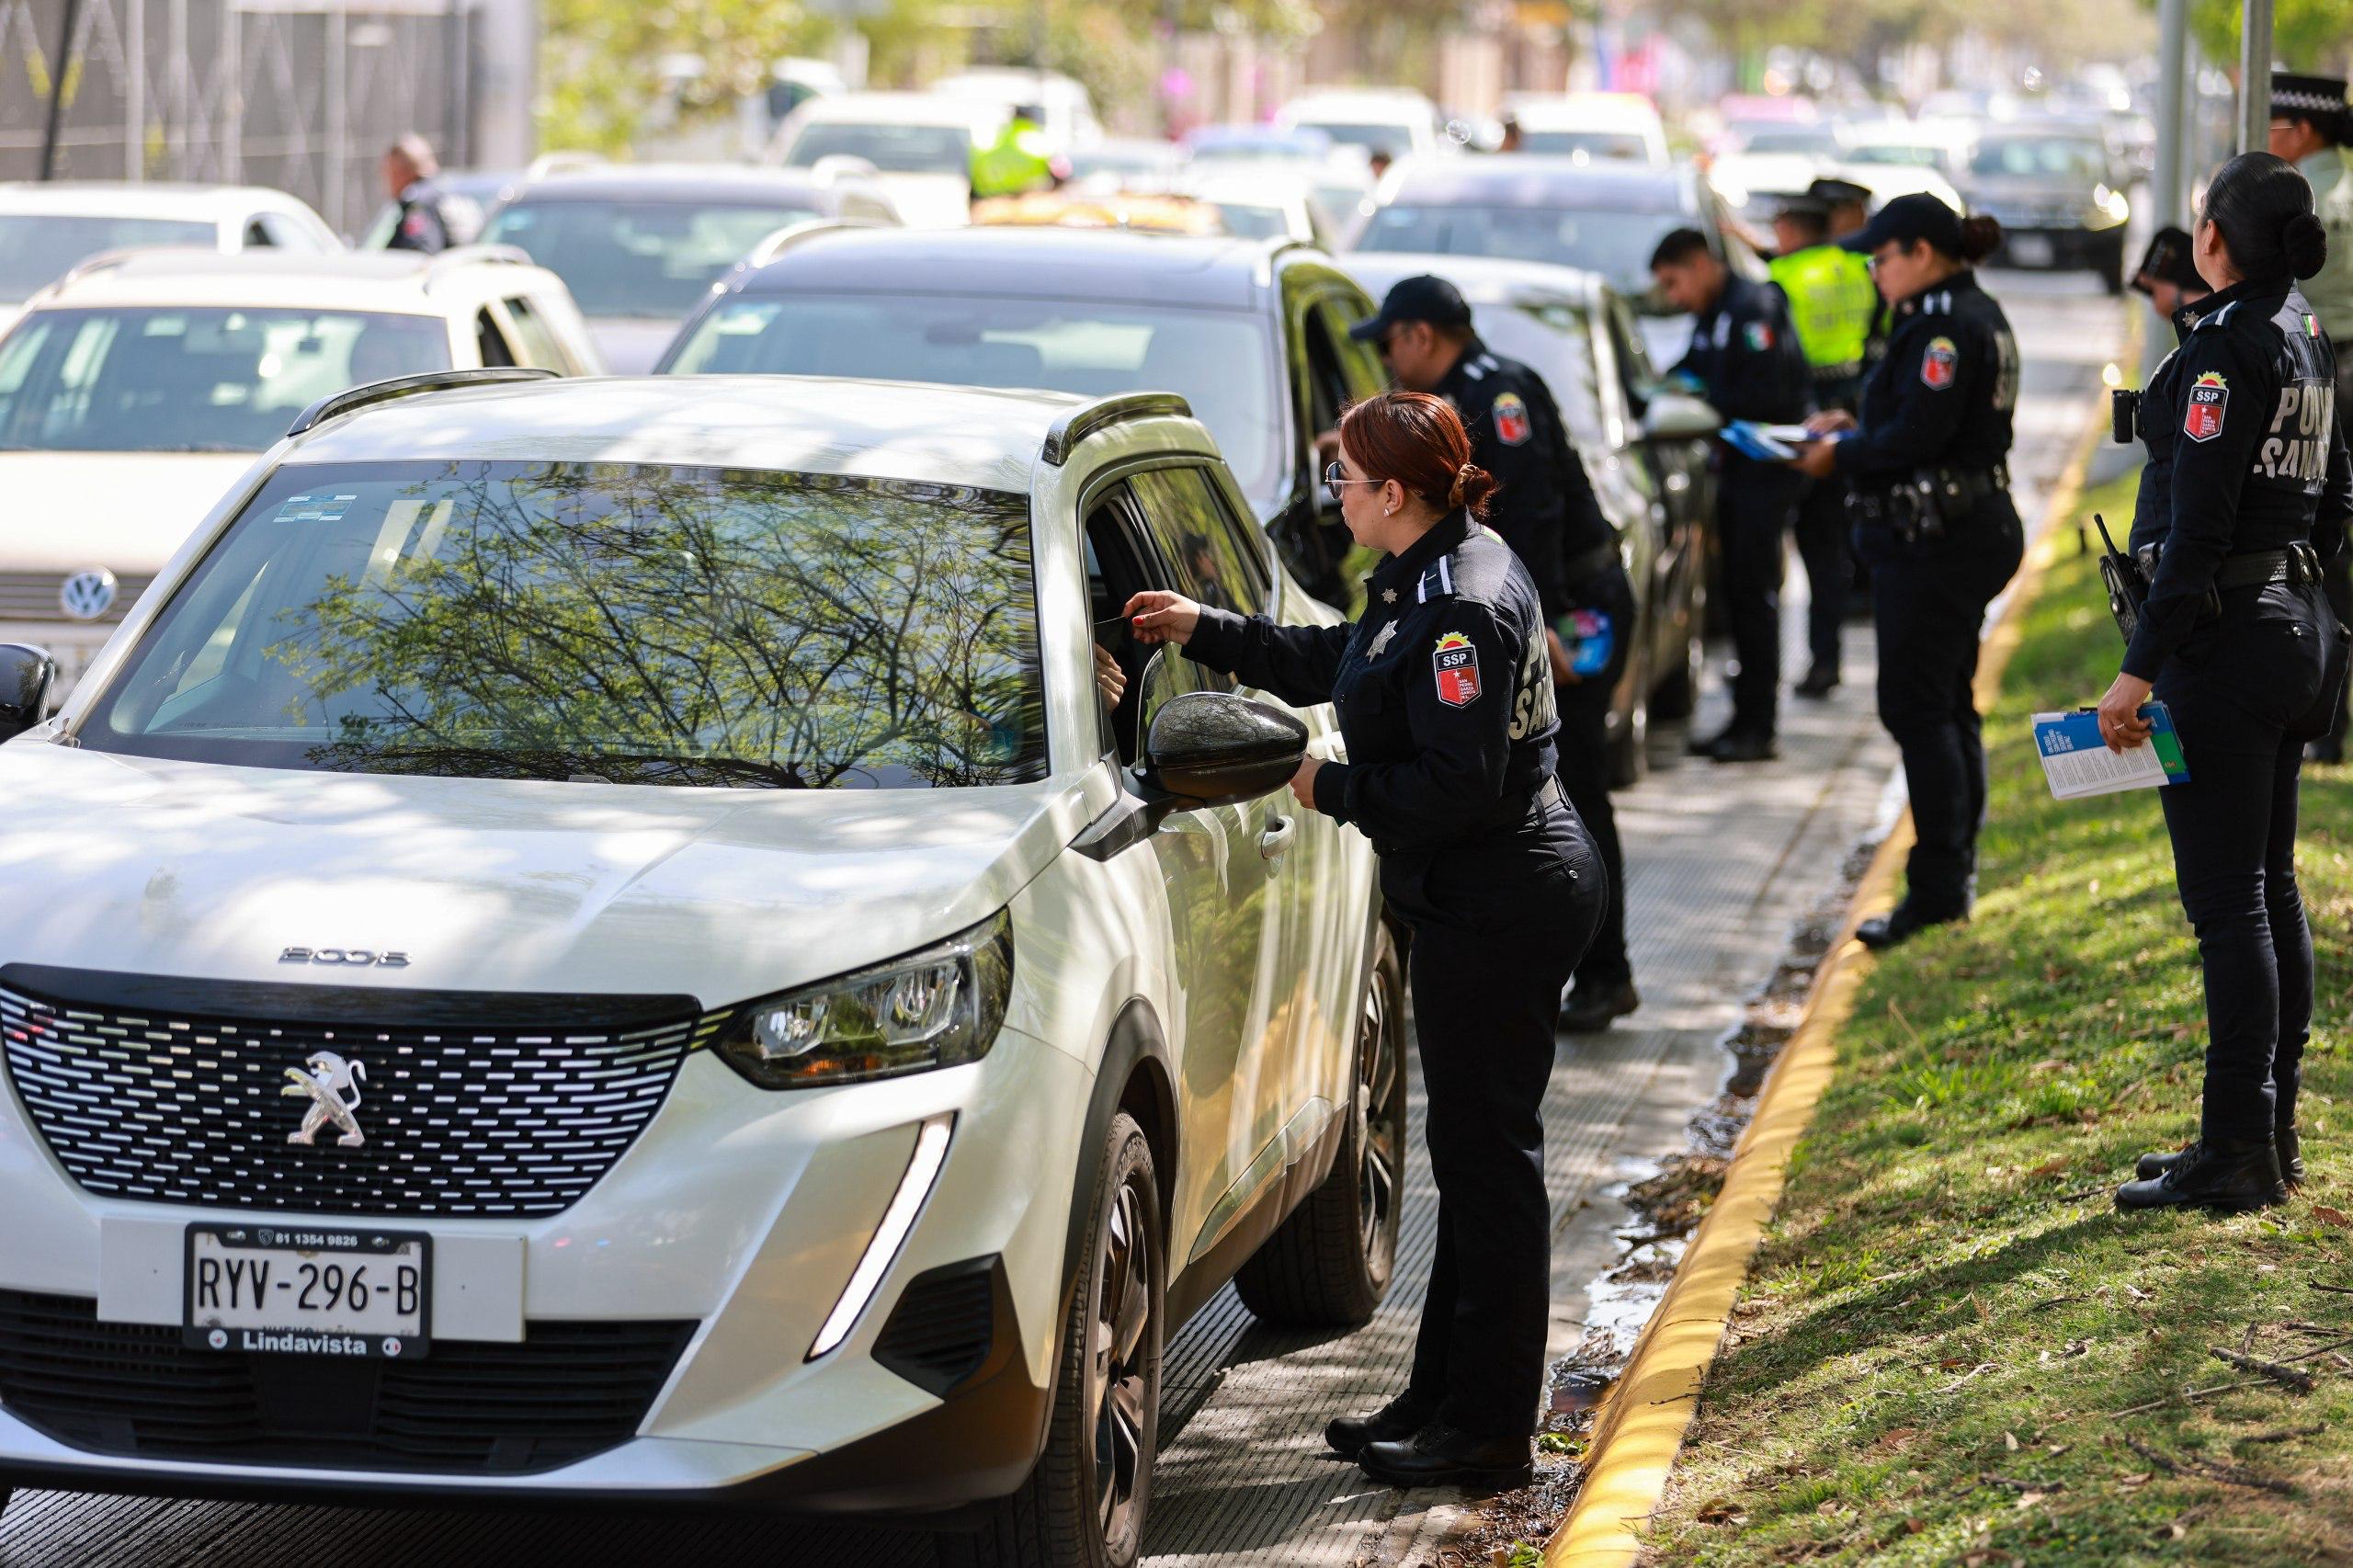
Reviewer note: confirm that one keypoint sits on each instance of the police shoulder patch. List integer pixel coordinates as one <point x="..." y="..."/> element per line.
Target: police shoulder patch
<point x="1455" y="662"/>
<point x="2201" y="415"/>
<point x="1760" y="335"/>
<point x="1512" y="425"/>
<point x="1939" y="363"/>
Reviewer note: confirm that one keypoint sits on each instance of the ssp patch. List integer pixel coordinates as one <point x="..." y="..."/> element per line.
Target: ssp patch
<point x="2201" y="417"/>
<point x="1457" y="663"/>
<point x="1512" y="425"/>
<point x="1938" y="365"/>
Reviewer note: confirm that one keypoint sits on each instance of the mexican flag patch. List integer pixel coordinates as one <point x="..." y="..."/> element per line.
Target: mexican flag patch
<point x="1760" y="337"/>
<point x="1457" y="663"/>
<point x="2201" y="417"/>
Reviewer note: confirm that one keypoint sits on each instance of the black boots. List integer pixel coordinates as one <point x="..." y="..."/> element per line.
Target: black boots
<point x="2285" y="1147"/>
<point x="1906" y="919"/>
<point x="1820" y="682"/>
<point x="1441" y="1456"/>
<point x="1591" y="1008"/>
<point x="1734" y="744"/>
<point x="1401" y="1417"/>
<point x="2230" y="1176"/>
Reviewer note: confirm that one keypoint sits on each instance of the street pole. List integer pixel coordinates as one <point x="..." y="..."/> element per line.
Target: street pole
<point x="2255" y="75"/>
<point x="61" y="65"/>
<point x="2173" y="119"/>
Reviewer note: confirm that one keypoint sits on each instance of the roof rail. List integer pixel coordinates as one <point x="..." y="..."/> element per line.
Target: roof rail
<point x="1080" y="423"/>
<point x="791" y="234"/>
<point x="467" y="256"/>
<point x="357" y="397"/>
<point x="1276" y="245"/>
<point x="108" y="261"/>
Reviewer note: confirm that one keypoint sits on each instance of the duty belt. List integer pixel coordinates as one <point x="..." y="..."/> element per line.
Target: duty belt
<point x="2297" y="563"/>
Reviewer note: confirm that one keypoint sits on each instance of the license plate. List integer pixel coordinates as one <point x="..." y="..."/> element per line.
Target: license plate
<point x="2030" y="250"/>
<point x="290" y="1290"/>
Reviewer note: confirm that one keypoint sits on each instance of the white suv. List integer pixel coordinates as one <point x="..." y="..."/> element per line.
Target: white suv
<point x="601" y="937"/>
<point x="136" y="389"/>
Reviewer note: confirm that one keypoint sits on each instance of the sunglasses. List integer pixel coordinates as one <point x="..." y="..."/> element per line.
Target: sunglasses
<point x="1336" y="476"/>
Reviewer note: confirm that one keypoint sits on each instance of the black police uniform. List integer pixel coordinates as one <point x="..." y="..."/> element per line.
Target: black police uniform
<point x="1746" y="355"/>
<point x="1445" y="697"/>
<point x="1928" y="470"/>
<point x="421" y="225"/>
<point x="1544" y="508"/>
<point x="2244" y="497"/>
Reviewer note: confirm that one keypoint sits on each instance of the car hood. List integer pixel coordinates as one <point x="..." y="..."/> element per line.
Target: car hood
<point x="125" y="511"/>
<point x="142" y="866"/>
<point x="632" y="344"/>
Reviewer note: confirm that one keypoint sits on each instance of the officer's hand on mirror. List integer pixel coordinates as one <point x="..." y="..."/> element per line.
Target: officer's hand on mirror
<point x="1109" y="678"/>
<point x="1563" y="672"/>
<point x="1829" y="421"/>
<point x="1303" y="783"/>
<point x="1163" y="618"/>
<point x="1816" y="459"/>
<point x="2120" y="724"/>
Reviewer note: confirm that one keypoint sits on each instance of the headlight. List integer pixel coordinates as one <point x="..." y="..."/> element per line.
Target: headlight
<point x="933" y="1008"/>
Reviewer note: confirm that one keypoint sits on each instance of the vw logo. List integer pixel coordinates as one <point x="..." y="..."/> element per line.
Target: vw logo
<point x="86" y="596"/>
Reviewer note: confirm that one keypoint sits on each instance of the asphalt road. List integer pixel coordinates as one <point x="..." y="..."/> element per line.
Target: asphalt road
<point x="1722" y="861"/>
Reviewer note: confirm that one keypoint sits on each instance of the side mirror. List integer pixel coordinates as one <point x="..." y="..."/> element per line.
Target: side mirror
<point x="1211" y="748"/>
<point x="1678" y="416"/>
<point x="27" y="676"/>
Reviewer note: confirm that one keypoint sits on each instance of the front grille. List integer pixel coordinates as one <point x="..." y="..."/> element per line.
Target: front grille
<point x="185" y="1104"/>
<point x="32" y="595"/>
<point x="568" y="1390"/>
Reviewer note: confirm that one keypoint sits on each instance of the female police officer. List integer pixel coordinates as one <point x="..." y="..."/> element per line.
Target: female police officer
<point x="2246" y="456"/>
<point x="1929" y="488"/>
<point x="1445" y="692"/>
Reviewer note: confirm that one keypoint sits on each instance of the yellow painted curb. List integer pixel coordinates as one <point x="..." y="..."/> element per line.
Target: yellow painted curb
<point x="1640" y="1427"/>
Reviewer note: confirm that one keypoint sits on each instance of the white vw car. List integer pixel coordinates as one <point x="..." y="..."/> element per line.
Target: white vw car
<point x="601" y="937"/>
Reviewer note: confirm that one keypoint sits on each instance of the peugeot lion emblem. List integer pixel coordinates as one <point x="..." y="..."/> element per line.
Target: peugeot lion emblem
<point x="86" y="596"/>
<point x="332" y="1086"/>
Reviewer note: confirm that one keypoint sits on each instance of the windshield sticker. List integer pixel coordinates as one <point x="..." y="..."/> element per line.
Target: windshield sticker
<point x="2202" y="419"/>
<point x="317" y="508"/>
<point x="1457" y="670"/>
<point x="1936" y="366"/>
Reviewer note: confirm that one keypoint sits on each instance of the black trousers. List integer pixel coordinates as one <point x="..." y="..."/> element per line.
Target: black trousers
<point x="2336" y="582"/>
<point x="2236" y="689"/>
<point x="1757" y="505"/>
<point x="1822" y="532"/>
<point x="1496" y="929"/>
<point x="1584" y="746"/>
<point x="1928" y="603"/>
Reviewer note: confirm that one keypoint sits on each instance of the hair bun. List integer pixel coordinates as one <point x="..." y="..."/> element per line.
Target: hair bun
<point x="1472" y="485"/>
<point x="1981" y="236"/>
<point x="2303" y="241"/>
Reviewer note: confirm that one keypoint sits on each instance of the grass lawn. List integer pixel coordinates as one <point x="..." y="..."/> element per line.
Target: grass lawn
<point x="1934" y="1354"/>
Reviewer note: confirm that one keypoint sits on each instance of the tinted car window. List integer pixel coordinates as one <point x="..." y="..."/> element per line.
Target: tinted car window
<point x="36" y="248"/>
<point x="1593" y="143"/>
<point x="638" y="258"/>
<point x="193" y="380"/>
<point x="1219" y="360"/>
<point x="2040" y="157"/>
<point x="1616" y="244"/>
<point x="1194" y="537"/>
<point x="894" y="149"/>
<point x="631" y="623"/>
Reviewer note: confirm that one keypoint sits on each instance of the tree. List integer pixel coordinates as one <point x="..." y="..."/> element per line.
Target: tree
<point x="2306" y="35"/>
<point x="600" y="59"/>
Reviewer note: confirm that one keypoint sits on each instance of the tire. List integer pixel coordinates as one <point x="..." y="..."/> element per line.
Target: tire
<point x="1329" y="1264"/>
<point x="1070" y="1514"/>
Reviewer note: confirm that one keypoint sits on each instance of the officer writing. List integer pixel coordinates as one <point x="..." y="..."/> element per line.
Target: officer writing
<point x="1545" y="510"/>
<point x="2247" y="487"/>
<point x="1746" y="361"/>
<point x="1926" y="460"/>
<point x="2309" y="124"/>
<point x="1445" y="697"/>
<point x="408" y="166"/>
<point x="1832" y="304"/>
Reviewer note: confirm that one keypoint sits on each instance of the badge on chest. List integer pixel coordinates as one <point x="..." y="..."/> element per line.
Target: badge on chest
<point x="1381" y="641"/>
<point x="1457" y="664"/>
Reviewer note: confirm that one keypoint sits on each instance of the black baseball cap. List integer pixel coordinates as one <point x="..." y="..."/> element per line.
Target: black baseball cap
<point x="1422" y="298"/>
<point x="1840" y="193"/>
<point x="1801" y="204"/>
<point x="2167" y="260"/>
<point x="1908" y="219"/>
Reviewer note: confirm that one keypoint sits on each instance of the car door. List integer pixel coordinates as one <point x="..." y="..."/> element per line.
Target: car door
<point x="1222" y="868"/>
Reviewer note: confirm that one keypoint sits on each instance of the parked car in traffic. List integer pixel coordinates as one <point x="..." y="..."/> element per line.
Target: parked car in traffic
<point x="919" y="144"/>
<point x="1645" y="452"/>
<point x="1617" y="126"/>
<point x="628" y="896"/>
<point x="2058" y="191"/>
<point x="1253" y="333"/>
<point x="46" y="228"/>
<point x="1395" y="120"/>
<point x="137" y="389"/>
<point x="639" y="244"/>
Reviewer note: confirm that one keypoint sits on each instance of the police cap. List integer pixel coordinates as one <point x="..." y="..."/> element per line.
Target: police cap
<point x="1907" y="220"/>
<point x="2320" y="99"/>
<point x="1840" y="193"/>
<point x="1801" y="204"/>
<point x="1423" y="298"/>
<point x="2167" y="261"/>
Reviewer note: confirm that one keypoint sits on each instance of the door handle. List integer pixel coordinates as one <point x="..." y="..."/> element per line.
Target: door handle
<point x="1274" y="838"/>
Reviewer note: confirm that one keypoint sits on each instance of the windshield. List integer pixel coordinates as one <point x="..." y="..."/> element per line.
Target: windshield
<point x="638" y="258"/>
<point x="1592" y="144"/>
<point x="893" y="148"/>
<point x="1221" y="361"/>
<point x="1394" y="140"/>
<point x="1616" y="244"/>
<point x="1904" y="154"/>
<point x="1557" y="339"/>
<point x="1251" y="221"/>
<point x="1815" y="140"/>
<point x="2078" y="162"/>
<point x="193" y="380"/>
<point x="36" y="248"/>
<point x="606" y="622"/>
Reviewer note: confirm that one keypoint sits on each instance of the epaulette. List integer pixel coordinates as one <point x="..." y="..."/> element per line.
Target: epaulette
<point x="1438" y="575"/>
<point x="2218" y="318"/>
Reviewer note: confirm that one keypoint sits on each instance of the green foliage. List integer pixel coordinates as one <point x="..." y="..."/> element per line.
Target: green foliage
<point x="2306" y="35"/>
<point x="1931" y="1355"/>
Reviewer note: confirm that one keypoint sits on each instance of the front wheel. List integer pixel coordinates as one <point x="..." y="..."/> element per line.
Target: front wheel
<point x="1328" y="1264"/>
<point x="1084" y="1504"/>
